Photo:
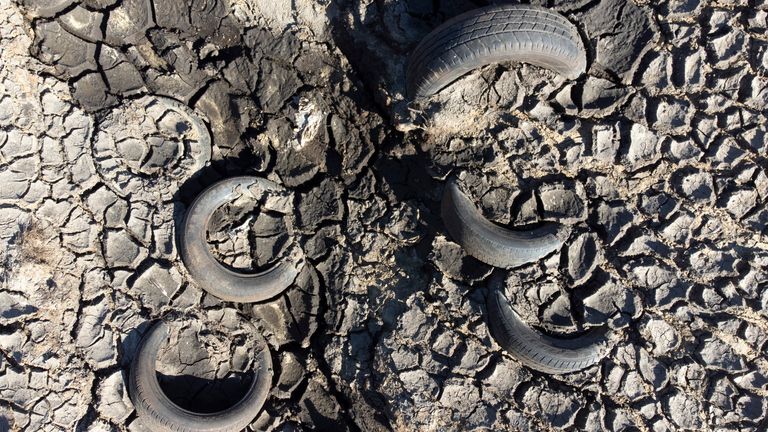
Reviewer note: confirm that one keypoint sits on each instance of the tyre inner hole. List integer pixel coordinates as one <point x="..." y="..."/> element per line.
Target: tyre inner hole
<point x="246" y="238"/>
<point x="202" y="372"/>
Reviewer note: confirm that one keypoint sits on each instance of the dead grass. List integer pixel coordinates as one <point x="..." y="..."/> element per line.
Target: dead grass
<point x="36" y="245"/>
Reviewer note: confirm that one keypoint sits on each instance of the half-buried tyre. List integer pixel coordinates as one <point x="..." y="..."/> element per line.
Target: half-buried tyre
<point x="537" y="350"/>
<point x="160" y="414"/>
<point x="210" y="274"/>
<point x="507" y="33"/>
<point x="490" y="243"/>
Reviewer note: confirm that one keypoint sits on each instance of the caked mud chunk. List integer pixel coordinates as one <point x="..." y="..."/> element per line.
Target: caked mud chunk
<point x="614" y="221"/>
<point x="684" y="7"/>
<point x="92" y="93"/>
<point x="151" y="144"/>
<point x="563" y="203"/>
<point x="683" y="410"/>
<point x="672" y="116"/>
<point x="658" y="205"/>
<point x="740" y="203"/>
<point x="664" y="337"/>
<point x="320" y="409"/>
<point x="68" y="54"/>
<point x="556" y="408"/>
<point x="716" y="354"/>
<point x="661" y="284"/>
<point x="124" y="79"/>
<point x="128" y="22"/>
<point x="210" y="19"/>
<point x="157" y="285"/>
<point x="94" y="336"/>
<point x="320" y="204"/>
<point x="697" y="186"/>
<point x="599" y="97"/>
<point x="113" y="403"/>
<point x="46" y="8"/>
<point x="121" y="250"/>
<point x="642" y="149"/>
<point x="613" y="304"/>
<point x="622" y="31"/>
<point x="709" y="264"/>
<point x="452" y="260"/>
<point x="99" y="4"/>
<point x="84" y="23"/>
<point x="216" y="104"/>
<point x="173" y="14"/>
<point x="727" y="48"/>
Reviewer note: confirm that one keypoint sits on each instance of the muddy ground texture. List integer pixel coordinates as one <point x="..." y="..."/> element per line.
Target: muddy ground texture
<point x="656" y="158"/>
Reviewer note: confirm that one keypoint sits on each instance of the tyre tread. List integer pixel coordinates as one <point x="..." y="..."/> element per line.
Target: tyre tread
<point x="511" y="32"/>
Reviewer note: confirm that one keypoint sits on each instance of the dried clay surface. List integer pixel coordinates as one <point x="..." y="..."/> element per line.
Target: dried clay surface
<point x="115" y="114"/>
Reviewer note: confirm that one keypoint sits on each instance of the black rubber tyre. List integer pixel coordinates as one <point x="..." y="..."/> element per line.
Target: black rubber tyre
<point x="539" y="351"/>
<point x="507" y="33"/>
<point x="491" y="243"/>
<point x="208" y="272"/>
<point x="160" y="414"/>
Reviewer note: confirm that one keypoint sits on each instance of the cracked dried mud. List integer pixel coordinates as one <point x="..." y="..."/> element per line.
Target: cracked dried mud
<point x="116" y="114"/>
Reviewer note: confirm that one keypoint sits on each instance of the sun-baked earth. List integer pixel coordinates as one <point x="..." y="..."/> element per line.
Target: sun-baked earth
<point x="657" y="158"/>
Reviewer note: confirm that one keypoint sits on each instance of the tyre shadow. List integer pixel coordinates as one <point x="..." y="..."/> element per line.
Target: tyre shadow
<point x="205" y="396"/>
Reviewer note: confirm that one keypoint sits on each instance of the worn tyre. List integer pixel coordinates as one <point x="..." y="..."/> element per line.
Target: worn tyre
<point x="160" y="414"/>
<point x="491" y="243"/>
<point x="208" y="272"/>
<point x="514" y="33"/>
<point x="537" y="350"/>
